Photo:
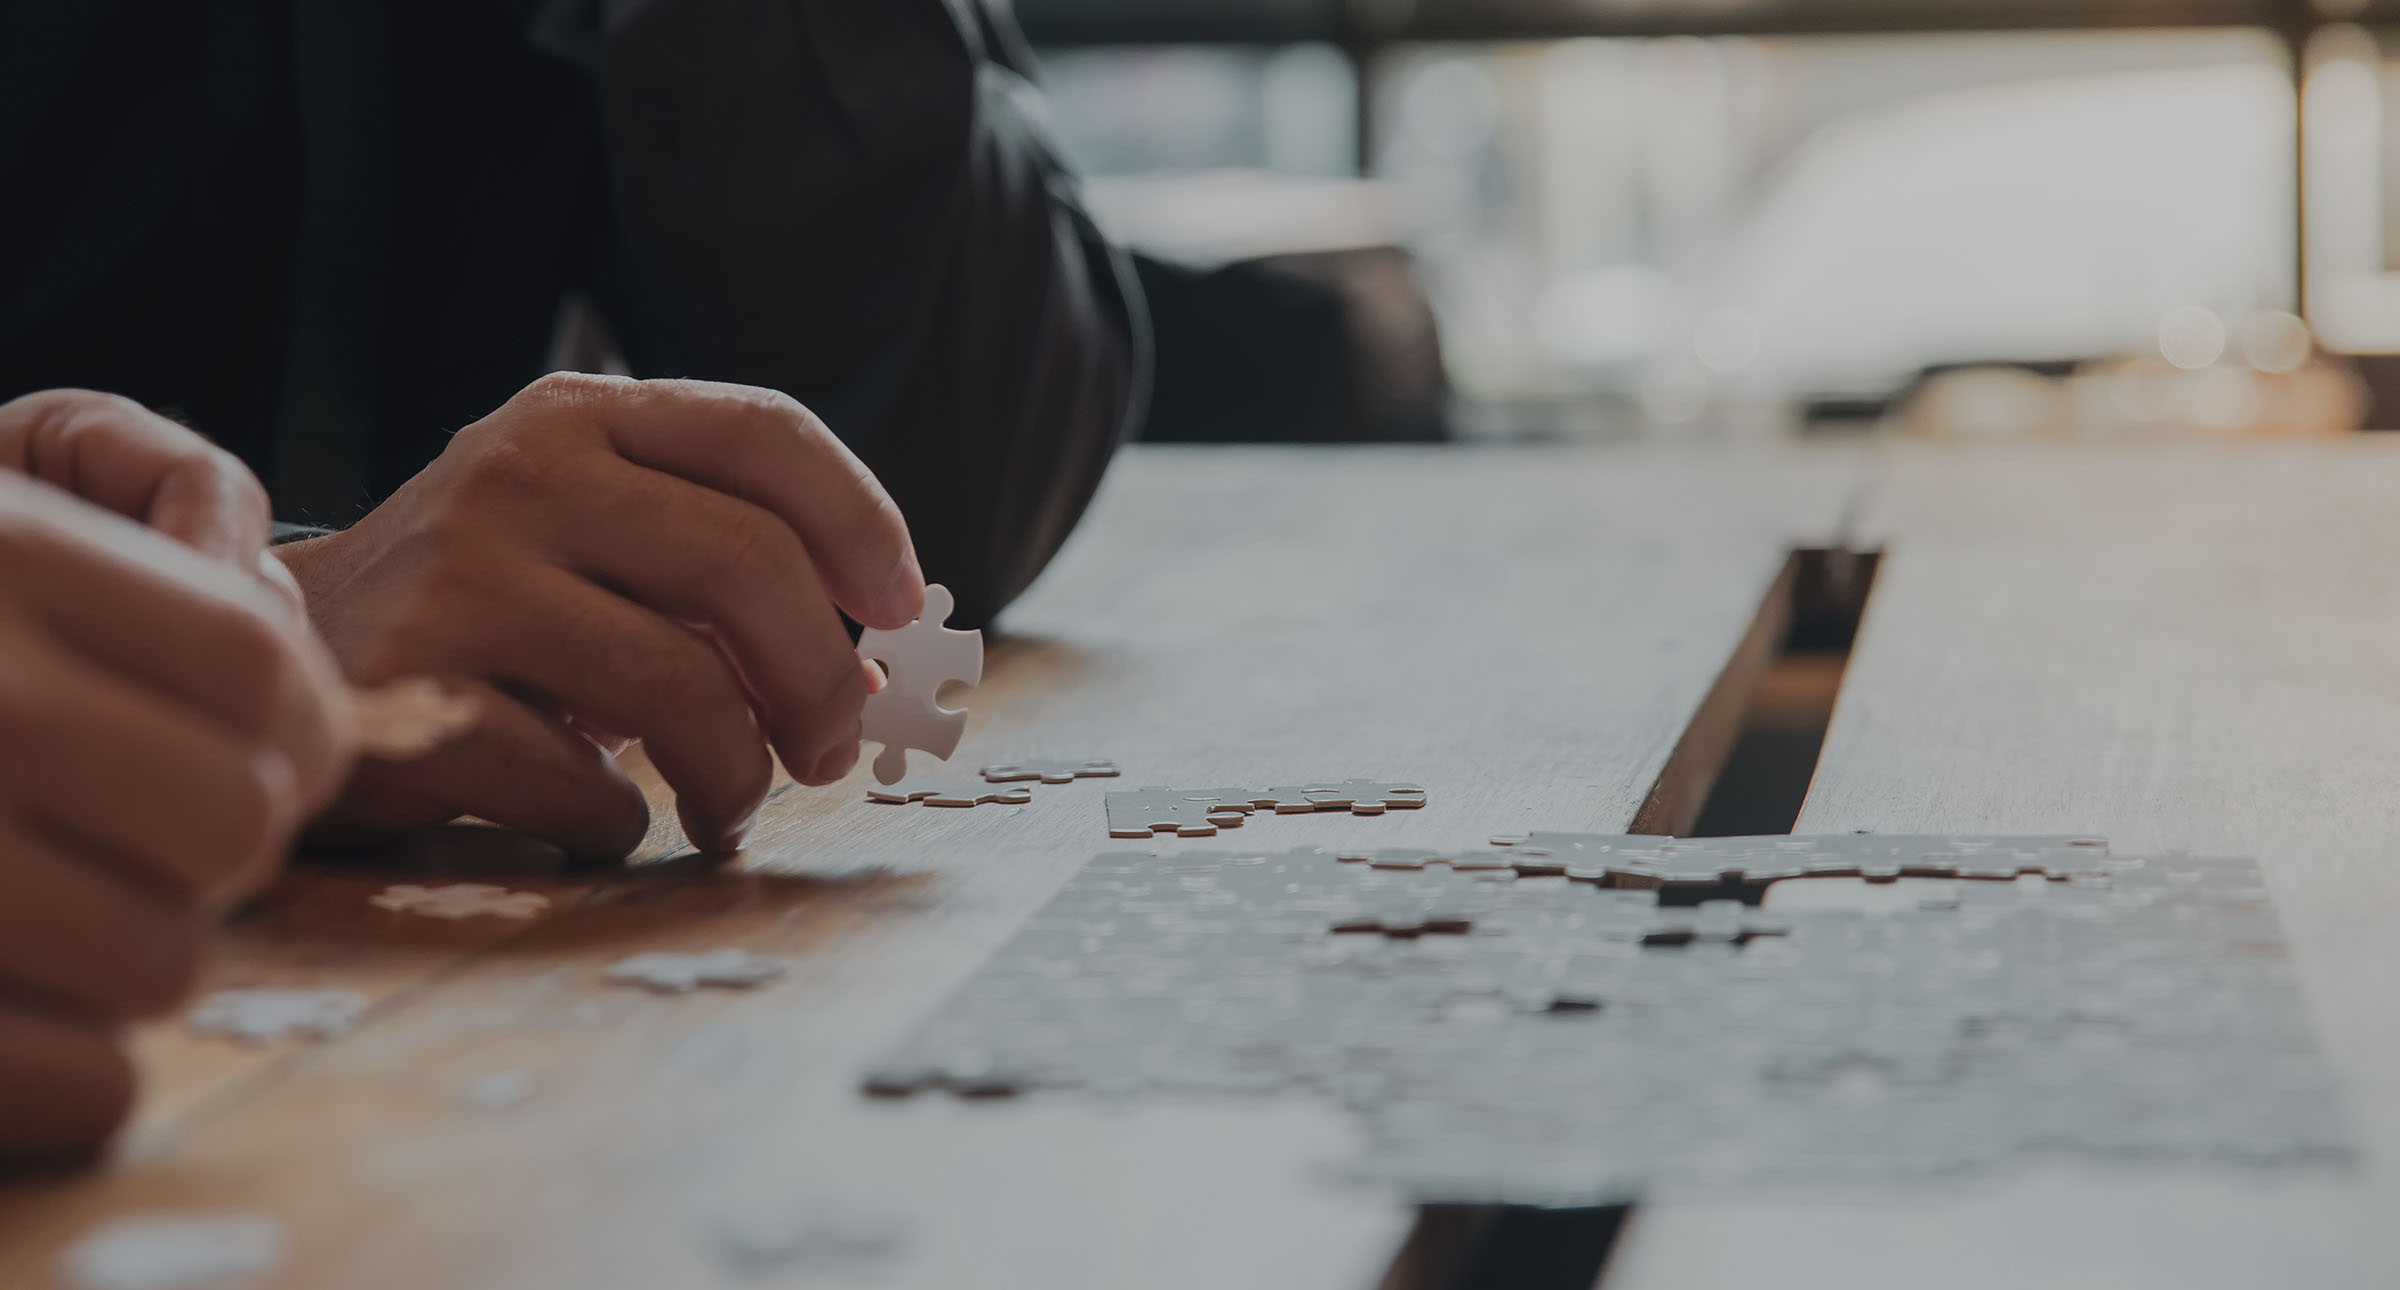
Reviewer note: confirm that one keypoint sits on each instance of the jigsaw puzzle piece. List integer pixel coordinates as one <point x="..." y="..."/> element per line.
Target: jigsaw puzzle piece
<point x="1184" y="812"/>
<point x="917" y="661"/>
<point x="951" y="792"/>
<point x="1357" y="796"/>
<point x="1051" y="772"/>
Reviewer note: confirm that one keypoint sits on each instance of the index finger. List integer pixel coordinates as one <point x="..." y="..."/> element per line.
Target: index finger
<point x="762" y="446"/>
<point x="118" y="455"/>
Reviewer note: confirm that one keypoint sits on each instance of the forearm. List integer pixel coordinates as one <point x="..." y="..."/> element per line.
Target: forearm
<point x="894" y="244"/>
<point x="1024" y="382"/>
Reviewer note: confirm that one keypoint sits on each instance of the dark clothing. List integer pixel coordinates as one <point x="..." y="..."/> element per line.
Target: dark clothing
<point x="327" y="234"/>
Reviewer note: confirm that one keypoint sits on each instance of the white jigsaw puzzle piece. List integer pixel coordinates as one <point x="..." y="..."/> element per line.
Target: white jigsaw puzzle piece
<point x="683" y="973"/>
<point x="460" y="900"/>
<point x="918" y="660"/>
<point x="175" y="1252"/>
<point x="257" y="1016"/>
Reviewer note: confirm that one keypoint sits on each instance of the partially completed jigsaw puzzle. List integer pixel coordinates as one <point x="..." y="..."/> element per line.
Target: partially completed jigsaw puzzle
<point x="1556" y="1023"/>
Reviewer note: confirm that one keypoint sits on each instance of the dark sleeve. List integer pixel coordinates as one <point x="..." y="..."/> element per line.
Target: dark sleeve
<point x="856" y="203"/>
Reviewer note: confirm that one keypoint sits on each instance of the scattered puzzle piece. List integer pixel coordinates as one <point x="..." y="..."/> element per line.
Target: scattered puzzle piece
<point x="951" y="792"/>
<point x="460" y="900"/>
<point x="1200" y="812"/>
<point x="1357" y="796"/>
<point x="682" y="973"/>
<point x="1184" y="812"/>
<point x="410" y="717"/>
<point x="257" y="1016"/>
<point x="918" y="660"/>
<point x="1051" y="772"/>
<point x="189" y="1252"/>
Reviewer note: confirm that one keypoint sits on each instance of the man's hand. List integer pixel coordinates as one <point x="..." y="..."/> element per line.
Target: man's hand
<point x="166" y="723"/>
<point x="659" y="560"/>
<point x="118" y="455"/>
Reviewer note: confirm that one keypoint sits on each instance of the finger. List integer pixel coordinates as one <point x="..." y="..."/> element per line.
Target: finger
<point x="518" y="768"/>
<point x="240" y="656"/>
<point x="77" y="932"/>
<point x="602" y="658"/>
<point x="117" y="454"/>
<point x="187" y="806"/>
<point x="708" y="558"/>
<point x="64" y="1087"/>
<point x="764" y="447"/>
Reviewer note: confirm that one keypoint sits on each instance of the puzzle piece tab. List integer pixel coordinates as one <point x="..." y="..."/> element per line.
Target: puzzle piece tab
<point x="918" y="660"/>
<point x="1051" y="772"/>
<point x="951" y="792"/>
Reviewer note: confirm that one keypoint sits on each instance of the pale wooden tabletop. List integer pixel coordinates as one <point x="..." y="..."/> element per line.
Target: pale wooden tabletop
<point x="2174" y="647"/>
<point x="2193" y="649"/>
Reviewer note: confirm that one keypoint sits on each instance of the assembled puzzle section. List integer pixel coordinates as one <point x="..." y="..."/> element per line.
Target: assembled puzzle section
<point x="1567" y="1040"/>
<point x="918" y="660"/>
<point x="1741" y="868"/>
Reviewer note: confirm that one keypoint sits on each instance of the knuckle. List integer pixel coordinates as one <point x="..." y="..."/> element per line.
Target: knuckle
<point x="754" y="547"/>
<point x="570" y="388"/>
<point x="67" y="402"/>
<point x="685" y="677"/>
<point x="513" y="466"/>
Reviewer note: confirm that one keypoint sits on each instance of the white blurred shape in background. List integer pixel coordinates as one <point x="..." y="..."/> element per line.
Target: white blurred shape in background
<point x="2038" y="221"/>
<point x="1673" y="226"/>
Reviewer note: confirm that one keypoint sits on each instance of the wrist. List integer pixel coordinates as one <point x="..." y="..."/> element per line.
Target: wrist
<point x="304" y="563"/>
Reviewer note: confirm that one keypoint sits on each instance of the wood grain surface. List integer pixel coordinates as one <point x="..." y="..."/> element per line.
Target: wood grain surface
<point x="1542" y="639"/>
<point x="2182" y="649"/>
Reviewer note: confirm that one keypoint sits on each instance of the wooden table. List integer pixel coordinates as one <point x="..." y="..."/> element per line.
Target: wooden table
<point x="2175" y="647"/>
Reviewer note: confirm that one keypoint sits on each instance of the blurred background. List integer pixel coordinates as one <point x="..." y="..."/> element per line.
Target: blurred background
<point x="1628" y="219"/>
